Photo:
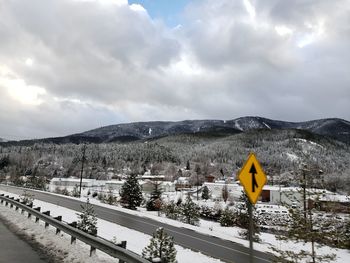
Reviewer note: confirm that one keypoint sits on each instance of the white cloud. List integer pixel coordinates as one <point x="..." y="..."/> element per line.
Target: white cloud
<point x="98" y="62"/>
<point x="29" y="62"/>
<point x="283" y="30"/>
<point x="250" y="8"/>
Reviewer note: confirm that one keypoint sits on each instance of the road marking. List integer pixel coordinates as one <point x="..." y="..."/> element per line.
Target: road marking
<point x="107" y="210"/>
<point x="180" y="233"/>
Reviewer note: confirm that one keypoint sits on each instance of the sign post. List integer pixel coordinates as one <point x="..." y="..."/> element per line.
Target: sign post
<point x="252" y="178"/>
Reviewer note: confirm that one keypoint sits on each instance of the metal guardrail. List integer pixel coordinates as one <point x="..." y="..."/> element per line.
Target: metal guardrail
<point x="95" y="242"/>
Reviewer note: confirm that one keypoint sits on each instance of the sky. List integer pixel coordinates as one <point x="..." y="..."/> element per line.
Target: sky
<point x="67" y="66"/>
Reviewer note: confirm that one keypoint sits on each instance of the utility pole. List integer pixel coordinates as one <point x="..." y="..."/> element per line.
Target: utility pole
<point x="197" y="186"/>
<point x="309" y="212"/>
<point x="304" y="193"/>
<point x="251" y="234"/>
<point x="82" y="168"/>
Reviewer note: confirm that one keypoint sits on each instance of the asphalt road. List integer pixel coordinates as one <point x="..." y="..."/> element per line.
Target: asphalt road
<point x="15" y="250"/>
<point x="210" y="245"/>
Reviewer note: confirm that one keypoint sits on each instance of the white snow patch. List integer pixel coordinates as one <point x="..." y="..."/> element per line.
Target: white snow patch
<point x="150" y="131"/>
<point x="206" y="227"/>
<point x="238" y="126"/>
<point x="136" y="240"/>
<point x="292" y="157"/>
<point x="267" y="125"/>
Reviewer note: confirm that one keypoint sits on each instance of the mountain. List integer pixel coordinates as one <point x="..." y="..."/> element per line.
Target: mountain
<point x="333" y="128"/>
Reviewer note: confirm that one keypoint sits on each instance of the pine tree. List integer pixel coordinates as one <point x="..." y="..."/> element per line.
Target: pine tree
<point x="87" y="219"/>
<point x="227" y="217"/>
<point x="75" y="192"/>
<point x="110" y="199"/>
<point x="205" y="193"/>
<point x="154" y="203"/>
<point x="161" y="247"/>
<point x="131" y="194"/>
<point x="190" y="212"/>
<point x="171" y="210"/>
<point x="303" y="228"/>
<point x="242" y="218"/>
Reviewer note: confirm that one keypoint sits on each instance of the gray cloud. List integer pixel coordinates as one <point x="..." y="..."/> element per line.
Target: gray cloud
<point x="71" y="65"/>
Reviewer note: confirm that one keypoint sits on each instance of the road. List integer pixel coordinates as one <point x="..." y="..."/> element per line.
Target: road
<point x="15" y="250"/>
<point x="210" y="245"/>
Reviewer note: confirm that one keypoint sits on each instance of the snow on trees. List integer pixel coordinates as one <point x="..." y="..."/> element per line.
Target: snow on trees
<point x="227" y="217"/>
<point x="190" y="212"/>
<point x="26" y="197"/>
<point x="205" y="193"/>
<point x="131" y="194"/>
<point x="242" y="219"/>
<point x="87" y="220"/>
<point x="155" y="201"/>
<point x="161" y="248"/>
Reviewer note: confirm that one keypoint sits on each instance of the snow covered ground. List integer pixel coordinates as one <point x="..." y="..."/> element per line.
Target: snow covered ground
<point x="137" y="241"/>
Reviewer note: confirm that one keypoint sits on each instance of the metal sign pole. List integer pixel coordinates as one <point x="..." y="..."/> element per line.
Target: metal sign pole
<point x="251" y="256"/>
<point x="253" y="179"/>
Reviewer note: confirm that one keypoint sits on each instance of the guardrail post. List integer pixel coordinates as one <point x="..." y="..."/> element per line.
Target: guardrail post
<point x="73" y="239"/>
<point x="92" y="251"/>
<point x="17" y="200"/>
<point x="11" y="205"/>
<point x="59" y="218"/>
<point x="123" y="245"/>
<point x="48" y="214"/>
<point x="37" y="209"/>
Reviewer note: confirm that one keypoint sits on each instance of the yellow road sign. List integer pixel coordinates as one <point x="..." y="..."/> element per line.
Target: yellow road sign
<point x="252" y="178"/>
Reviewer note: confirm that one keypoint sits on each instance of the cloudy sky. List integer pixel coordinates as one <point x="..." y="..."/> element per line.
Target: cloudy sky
<point x="67" y="66"/>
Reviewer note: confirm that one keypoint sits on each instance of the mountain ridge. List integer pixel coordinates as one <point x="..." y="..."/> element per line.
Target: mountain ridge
<point x="334" y="128"/>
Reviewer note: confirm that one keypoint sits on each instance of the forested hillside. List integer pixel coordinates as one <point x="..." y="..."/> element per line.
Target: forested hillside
<point x="281" y="152"/>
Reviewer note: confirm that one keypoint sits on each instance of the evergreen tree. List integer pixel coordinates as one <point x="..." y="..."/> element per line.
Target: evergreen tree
<point x="205" y="193"/>
<point x="154" y="203"/>
<point x="75" y="192"/>
<point x="110" y="199"/>
<point x="131" y="194"/>
<point x="190" y="212"/>
<point x="87" y="220"/>
<point x="304" y="230"/>
<point x="227" y="217"/>
<point x="171" y="210"/>
<point x="242" y="218"/>
<point x="303" y="227"/>
<point x="161" y="247"/>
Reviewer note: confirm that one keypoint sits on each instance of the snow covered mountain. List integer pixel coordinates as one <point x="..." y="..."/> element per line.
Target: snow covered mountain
<point x="334" y="128"/>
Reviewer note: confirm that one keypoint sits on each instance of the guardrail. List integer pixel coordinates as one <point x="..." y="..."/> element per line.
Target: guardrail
<point x="108" y="247"/>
